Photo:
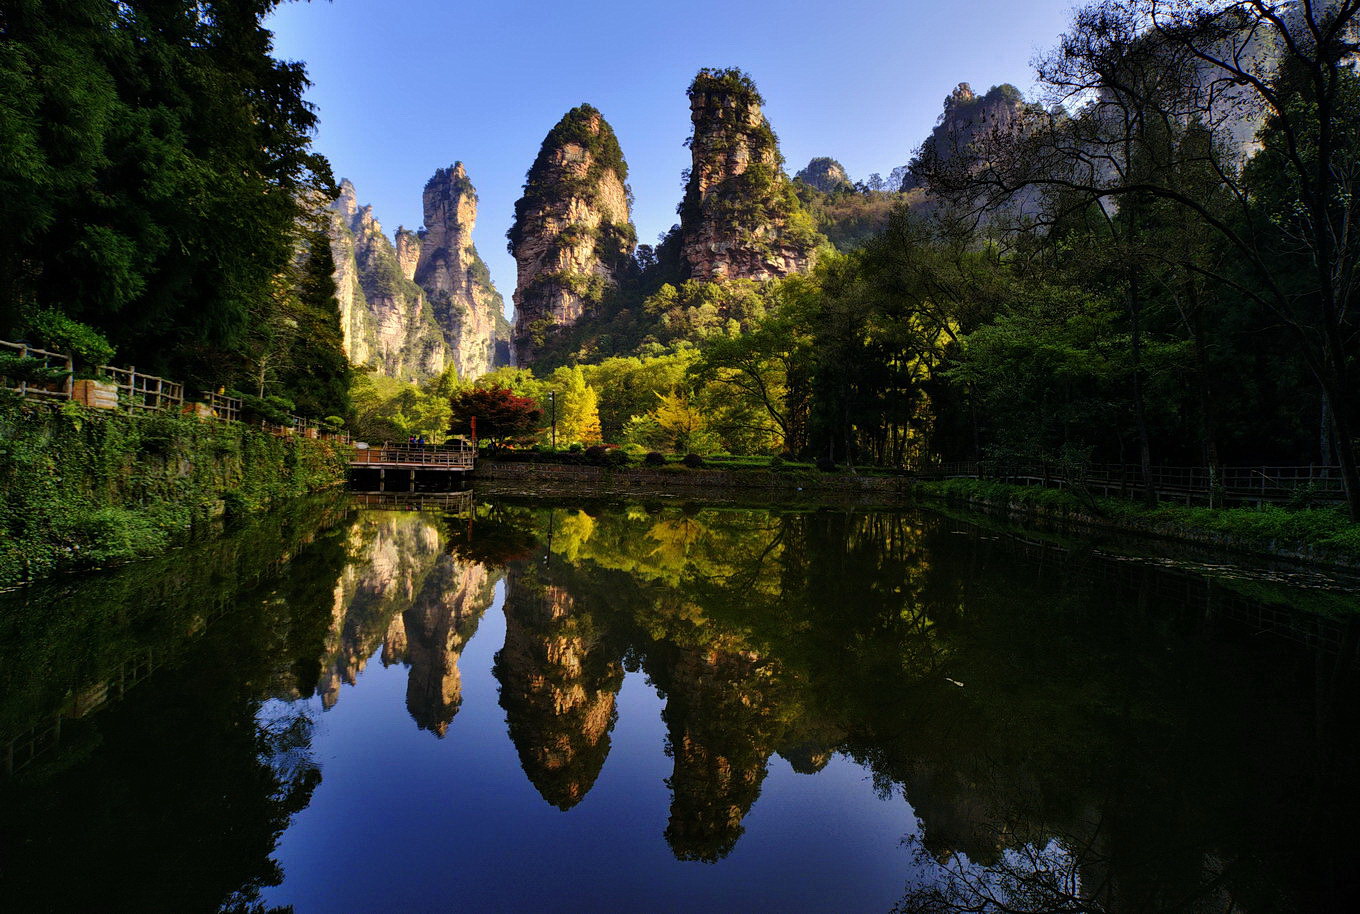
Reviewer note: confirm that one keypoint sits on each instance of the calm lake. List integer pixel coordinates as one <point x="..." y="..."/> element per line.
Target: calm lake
<point x="499" y="704"/>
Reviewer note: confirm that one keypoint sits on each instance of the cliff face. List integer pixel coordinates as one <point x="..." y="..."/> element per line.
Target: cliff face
<point x="573" y="235"/>
<point x="385" y="317"/>
<point x="966" y="119"/>
<point x="740" y="218"/>
<point x="414" y="307"/>
<point x="447" y="267"/>
<point x="825" y="174"/>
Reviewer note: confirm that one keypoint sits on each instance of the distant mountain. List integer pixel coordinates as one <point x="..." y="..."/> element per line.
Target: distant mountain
<point x="825" y="174"/>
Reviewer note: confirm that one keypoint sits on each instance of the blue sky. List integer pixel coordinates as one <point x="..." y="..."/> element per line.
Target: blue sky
<point x="407" y="86"/>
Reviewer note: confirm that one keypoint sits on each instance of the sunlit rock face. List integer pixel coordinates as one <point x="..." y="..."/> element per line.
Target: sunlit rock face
<point x="407" y="594"/>
<point x="408" y="251"/>
<point x="467" y="307"/>
<point x="386" y="320"/>
<point x="573" y="234"/>
<point x="558" y="679"/>
<point x="740" y="218"/>
<point x="969" y="119"/>
<point x="826" y="175"/>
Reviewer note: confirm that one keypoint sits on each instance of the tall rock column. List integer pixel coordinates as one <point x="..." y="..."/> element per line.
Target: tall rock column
<point x="466" y="304"/>
<point x="740" y="218"/>
<point x="573" y="235"/>
<point x="386" y="320"/>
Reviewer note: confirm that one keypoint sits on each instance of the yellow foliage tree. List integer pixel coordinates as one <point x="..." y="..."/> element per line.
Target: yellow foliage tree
<point x="578" y="409"/>
<point x="680" y="420"/>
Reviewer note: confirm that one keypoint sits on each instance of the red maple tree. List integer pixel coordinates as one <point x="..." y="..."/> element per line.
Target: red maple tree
<point x="501" y="414"/>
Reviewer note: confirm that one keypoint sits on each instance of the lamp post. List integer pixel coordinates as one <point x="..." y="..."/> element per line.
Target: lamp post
<point x="552" y="405"/>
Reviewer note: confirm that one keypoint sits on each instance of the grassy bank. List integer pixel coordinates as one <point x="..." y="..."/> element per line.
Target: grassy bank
<point x="88" y="488"/>
<point x="1313" y="534"/>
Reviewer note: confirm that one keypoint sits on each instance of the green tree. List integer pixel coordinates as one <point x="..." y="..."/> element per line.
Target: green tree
<point x="578" y="412"/>
<point x="152" y="159"/>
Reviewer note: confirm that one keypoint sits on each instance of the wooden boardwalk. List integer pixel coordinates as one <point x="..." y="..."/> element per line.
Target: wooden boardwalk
<point x="450" y="458"/>
<point x="396" y="467"/>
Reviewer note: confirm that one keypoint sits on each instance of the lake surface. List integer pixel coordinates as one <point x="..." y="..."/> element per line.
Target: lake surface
<point x="508" y="705"/>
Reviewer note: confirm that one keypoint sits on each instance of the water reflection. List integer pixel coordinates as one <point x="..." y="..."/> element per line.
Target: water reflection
<point x="558" y="675"/>
<point x="140" y="777"/>
<point x="1073" y="731"/>
<point x="405" y="591"/>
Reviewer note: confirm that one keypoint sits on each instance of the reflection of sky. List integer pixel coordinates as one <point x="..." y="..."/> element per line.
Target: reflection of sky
<point x="405" y="821"/>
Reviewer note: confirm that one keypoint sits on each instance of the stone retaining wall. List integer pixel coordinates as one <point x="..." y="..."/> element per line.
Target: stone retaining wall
<point x="621" y="480"/>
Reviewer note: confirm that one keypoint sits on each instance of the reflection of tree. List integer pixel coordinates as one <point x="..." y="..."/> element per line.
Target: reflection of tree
<point x="494" y="535"/>
<point x="558" y="675"/>
<point x="182" y="803"/>
<point x="1049" y="715"/>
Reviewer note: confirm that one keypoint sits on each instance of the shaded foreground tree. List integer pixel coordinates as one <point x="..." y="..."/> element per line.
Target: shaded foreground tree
<point x="1240" y="116"/>
<point x="153" y="156"/>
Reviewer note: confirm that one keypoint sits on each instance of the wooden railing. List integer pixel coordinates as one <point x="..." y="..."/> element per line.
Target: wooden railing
<point x="223" y="407"/>
<point x="44" y="359"/>
<point x="455" y="457"/>
<point x="145" y="391"/>
<point x="142" y="392"/>
<point x="1269" y="483"/>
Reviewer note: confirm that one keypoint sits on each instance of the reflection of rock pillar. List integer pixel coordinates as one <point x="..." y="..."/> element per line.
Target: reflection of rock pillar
<point x="398" y="553"/>
<point x="718" y="722"/>
<point x="558" y="684"/>
<point x="438" y="624"/>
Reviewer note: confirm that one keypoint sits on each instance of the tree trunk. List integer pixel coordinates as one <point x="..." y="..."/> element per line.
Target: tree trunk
<point x="1208" y="427"/>
<point x="1333" y="387"/>
<point x="1139" y="404"/>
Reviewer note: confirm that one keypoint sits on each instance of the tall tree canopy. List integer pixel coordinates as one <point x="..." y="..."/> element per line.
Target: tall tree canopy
<point x="153" y="156"/>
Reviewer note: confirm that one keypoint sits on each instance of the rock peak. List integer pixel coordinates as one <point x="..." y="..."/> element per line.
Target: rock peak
<point x="573" y="233"/>
<point x="740" y="217"/>
<point x="825" y="174"/>
<point x="387" y="323"/>
<point x="453" y="275"/>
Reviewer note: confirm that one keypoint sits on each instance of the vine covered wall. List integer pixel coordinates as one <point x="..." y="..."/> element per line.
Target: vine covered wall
<point x="84" y="489"/>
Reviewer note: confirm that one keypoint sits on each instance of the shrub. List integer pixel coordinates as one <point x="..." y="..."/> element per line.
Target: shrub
<point x="596" y="453"/>
<point x="273" y="410"/>
<point x="826" y="464"/>
<point x="693" y="461"/>
<point x="654" y="459"/>
<point x="59" y="333"/>
<point x="18" y="368"/>
<point x="617" y="458"/>
<point x="575" y="448"/>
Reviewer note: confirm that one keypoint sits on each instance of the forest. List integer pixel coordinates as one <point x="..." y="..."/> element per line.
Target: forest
<point x="1151" y="260"/>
